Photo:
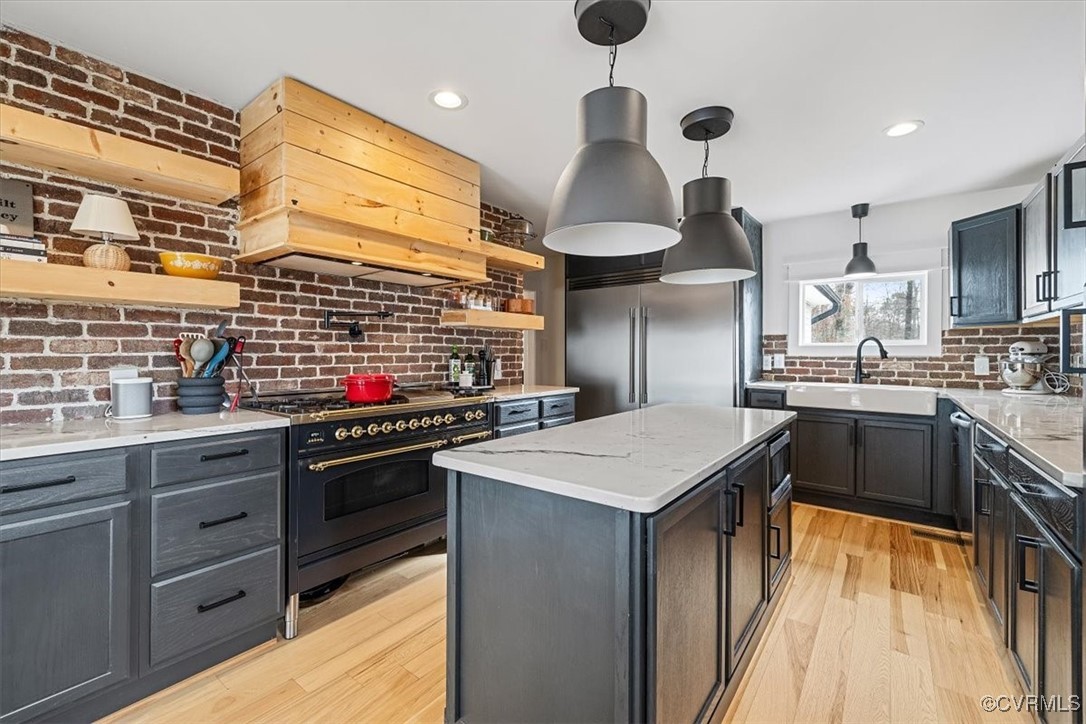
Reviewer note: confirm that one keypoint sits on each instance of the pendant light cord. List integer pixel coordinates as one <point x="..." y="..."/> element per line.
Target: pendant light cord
<point x="705" y="163"/>
<point x="861" y="230"/>
<point x="612" y="53"/>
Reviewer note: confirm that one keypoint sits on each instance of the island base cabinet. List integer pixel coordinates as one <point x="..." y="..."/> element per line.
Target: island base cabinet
<point x="561" y="609"/>
<point x="686" y="586"/>
<point x="64" y="626"/>
<point x="746" y="534"/>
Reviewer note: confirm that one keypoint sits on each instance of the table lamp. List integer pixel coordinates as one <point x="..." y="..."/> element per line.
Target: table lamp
<point x="110" y="220"/>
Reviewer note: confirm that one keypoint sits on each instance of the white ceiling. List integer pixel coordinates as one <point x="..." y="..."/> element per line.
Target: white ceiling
<point x="999" y="84"/>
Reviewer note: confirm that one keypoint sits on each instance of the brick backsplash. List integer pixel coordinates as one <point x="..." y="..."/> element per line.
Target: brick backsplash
<point x="954" y="368"/>
<point x="54" y="357"/>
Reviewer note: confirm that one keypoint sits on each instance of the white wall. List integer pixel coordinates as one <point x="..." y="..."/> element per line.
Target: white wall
<point x="908" y="227"/>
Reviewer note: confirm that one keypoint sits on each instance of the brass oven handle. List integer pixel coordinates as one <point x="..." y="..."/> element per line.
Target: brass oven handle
<point x="473" y="436"/>
<point x="321" y="467"/>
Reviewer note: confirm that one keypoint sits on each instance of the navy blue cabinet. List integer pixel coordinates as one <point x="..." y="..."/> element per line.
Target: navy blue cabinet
<point x="984" y="268"/>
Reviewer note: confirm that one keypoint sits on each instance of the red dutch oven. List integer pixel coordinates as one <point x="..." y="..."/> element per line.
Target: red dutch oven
<point x="368" y="388"/>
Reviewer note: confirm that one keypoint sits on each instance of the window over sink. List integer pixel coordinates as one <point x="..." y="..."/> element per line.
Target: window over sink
<point x="828" y="317"/>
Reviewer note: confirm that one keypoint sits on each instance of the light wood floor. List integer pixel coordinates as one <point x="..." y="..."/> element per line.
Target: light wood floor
<point x="876" y="625"/>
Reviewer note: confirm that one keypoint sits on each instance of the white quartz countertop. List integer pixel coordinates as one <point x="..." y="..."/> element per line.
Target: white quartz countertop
<point x="18" y="442"/>
<point x="1046" y="429"/>
<point x="638" y="461"/>
<point x="523" y="392"/>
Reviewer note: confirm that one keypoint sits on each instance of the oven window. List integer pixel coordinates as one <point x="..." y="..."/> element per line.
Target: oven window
<point x="375" y="486"/>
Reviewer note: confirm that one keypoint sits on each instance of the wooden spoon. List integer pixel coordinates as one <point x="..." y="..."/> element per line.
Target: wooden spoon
<point x="185" y="352"/>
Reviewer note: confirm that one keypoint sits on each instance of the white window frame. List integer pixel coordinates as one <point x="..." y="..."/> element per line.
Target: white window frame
<point x="929" y="345"/>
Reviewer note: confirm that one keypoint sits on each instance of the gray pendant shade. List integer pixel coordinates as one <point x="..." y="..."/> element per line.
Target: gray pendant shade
<point x="714" y="248"/>
<point x="613" y="198"/>
<point x="860" y="265"/>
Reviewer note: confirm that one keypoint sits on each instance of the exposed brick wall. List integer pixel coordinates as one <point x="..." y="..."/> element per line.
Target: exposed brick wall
<point x="954" y="368"/>
<point x="54" y="357"/>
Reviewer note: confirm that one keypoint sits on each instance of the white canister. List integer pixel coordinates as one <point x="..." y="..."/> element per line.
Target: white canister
<point x="130" y="398"/>
<point x="467" y="379"/>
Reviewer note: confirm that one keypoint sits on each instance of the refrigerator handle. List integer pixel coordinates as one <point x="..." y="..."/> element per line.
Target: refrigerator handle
<point x="633" y="363"/>
<point x="644" y="355"/>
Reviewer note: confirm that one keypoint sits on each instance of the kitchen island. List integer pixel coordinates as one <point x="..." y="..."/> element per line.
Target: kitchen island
<point x="617" y="569"/>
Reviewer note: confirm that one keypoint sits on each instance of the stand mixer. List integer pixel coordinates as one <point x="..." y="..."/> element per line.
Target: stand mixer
<point x="1025" y="370"/>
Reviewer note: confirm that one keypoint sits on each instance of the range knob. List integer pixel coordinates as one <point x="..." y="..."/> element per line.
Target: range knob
<point x="477" y="415"/>
<point x="401" y="425"/>
<point x="449" y="417"/>
<point x="426" y="422"/>
<point x="437" y="420"/>
<point x="373" y="429"/>
<point x="342" y="433"/>
<point x="414" y="423"/>
<point x="386" y="427"/>
<point x="357" y="431"/>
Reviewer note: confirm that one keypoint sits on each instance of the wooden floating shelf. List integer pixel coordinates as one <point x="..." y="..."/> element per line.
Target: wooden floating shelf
<point x="32" y="139"/>
<point x="485" y="319"/>
<point x="30" y="280"/>
<point x="506" y="257"/>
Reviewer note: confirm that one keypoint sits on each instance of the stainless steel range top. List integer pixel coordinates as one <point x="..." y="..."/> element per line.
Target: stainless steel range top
<point x="323" y="405"/>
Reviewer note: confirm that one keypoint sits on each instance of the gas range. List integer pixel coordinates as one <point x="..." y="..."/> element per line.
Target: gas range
<point x="361" y="485"/>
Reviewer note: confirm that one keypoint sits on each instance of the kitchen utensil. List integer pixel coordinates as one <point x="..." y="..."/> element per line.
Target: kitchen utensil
<point x="185" y="351"/>
<point x="202" y="350"/>
<point x="218" y="334"/>
<point x="368" y="388"/>
<point x="216" y="360"/>
<point x="177" y="353"/>
<point x="188" y="264"/>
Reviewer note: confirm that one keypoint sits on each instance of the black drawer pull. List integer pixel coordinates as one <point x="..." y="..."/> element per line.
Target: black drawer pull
<point x="517" y="412"/>
<point x="556" y="405"/>
<point x="991" y="447"/>
<point x="34" y="486"/>
<point x="204" y="608"/>
<point x="220" y="521"/>
<point x="223" y="456"/>
<point x="1025" y="584"/>
<point x="776" y="529"/>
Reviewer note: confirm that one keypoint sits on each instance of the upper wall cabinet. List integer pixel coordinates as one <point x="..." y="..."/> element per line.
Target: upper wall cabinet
<point x="330" y="188"/>
<point x="984" y="268"/>
<point x="1054" y="241"/>
<point x="1069" y="229"/>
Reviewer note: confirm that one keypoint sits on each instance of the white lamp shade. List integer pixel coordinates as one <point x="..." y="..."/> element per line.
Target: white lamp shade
<point x="103" y="216"/>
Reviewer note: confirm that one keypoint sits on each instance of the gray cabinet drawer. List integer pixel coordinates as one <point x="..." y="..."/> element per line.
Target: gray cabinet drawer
<point x="555" y="422"/>
<point x="214" y="603"/>
<point x="511" y="413"/>
<point x="556" y="406"/>
<point x="61" y="479"/>
<point x="767" y="399"/>
<point x="509" y="430"/>
<point x="182" y="462"/>
<point x="211" y="521"/>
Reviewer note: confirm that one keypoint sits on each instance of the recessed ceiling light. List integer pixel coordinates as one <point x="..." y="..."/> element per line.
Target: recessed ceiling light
<point x="356" y="263"/>
<point x="449" y="100"/>
<point x="903" y="129"/>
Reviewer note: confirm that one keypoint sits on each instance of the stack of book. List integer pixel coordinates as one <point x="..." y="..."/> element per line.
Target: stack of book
<point x="22" y="248"/>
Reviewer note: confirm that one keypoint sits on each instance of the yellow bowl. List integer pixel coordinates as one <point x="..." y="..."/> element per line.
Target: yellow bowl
<point x="186" y="264"/>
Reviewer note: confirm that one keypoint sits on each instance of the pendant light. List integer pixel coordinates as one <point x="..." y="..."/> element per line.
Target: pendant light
<point x="714" y="248"/>
<point x="860" y="265"/>
<point x="613" y="198"/>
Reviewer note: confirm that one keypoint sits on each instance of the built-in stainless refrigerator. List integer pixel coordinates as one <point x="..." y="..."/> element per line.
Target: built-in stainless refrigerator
<point x="632" y="341"/>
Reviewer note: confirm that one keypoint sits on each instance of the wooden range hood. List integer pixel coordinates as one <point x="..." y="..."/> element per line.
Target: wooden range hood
<point x="331" y="189"/>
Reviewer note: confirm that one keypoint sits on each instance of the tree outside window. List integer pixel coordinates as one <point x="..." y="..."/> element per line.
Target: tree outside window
<point x="844" y="311"/>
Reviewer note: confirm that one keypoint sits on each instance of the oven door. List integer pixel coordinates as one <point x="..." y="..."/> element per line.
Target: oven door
<point x="352" y="496"/>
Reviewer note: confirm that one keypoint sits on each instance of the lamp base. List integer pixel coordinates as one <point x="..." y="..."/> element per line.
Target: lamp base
<point x="106" y="256"/>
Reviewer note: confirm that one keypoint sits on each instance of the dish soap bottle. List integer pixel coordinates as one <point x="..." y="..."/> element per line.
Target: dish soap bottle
<point x="454" y="365"/>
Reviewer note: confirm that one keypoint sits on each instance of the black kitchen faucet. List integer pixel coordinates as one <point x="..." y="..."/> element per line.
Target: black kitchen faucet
<point x="860" y="374"/>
